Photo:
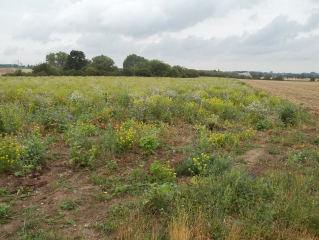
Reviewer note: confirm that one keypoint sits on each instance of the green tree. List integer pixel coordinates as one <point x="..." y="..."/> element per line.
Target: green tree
<point x="91" y="71"/>
<point x="144" y="72"/>
<point x="61" y="58"/>
<point x="158" y="68"/>
<point x="255" y="76"/>
<point x="45" y="69"/>
<point x="312" y="79"/>
<point x="103" y="63"/>
<point x="132" y="60"/>
<point x="56" y="59"/>
<point x="50" y="59"/>
<point x="267" y="77"/>
<point x="173" y="72"/>
<point x="76" y="60"/>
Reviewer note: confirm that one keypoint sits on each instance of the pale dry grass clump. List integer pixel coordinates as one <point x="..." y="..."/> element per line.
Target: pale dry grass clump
<point x="182" y="228"/>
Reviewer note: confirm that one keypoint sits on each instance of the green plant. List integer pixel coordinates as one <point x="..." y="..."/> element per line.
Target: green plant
<point x="35" y="149"/>
<point x="289" y="114"/>
<point x="4" y="191"/>
<point x="293" y="138"/>
<point x="81" y="157"/>
<point x="162" y="173"/>
<point x="4" y="212"/>
<point x="139" y="175"/>
<point x="68" y="204"/>
<point x="272" y="150"/>
<point x="10" y="152"/>
<point x="264" y="124"/>
<point x="158" y="197"/>
<point x="110" y="166"/>
<point x="149" y="144"/>
<point x="316" y="141"/>
<point x="100" y="196"/>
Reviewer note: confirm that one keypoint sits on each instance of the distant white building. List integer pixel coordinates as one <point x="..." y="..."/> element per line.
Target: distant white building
<point x="245" y="73"/>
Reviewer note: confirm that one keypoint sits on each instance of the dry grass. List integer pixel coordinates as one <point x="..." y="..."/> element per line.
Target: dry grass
<point x="296" y="92"/>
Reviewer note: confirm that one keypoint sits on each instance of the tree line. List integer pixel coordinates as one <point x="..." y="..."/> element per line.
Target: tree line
<point x="76" y="64"/>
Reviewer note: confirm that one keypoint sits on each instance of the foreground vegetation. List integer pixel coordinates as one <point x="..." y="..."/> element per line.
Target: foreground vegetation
<point x="154" y="158"/>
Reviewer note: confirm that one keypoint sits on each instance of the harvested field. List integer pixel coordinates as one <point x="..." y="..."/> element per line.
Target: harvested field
<point x="296" y="92"/>
<point x="12" y="70"/>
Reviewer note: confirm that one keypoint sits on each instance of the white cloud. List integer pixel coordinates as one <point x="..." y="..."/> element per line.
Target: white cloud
<point x="196" y="34"/>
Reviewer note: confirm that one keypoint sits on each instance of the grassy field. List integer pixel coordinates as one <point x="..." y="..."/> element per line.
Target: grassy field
<point x="154" y="158"/>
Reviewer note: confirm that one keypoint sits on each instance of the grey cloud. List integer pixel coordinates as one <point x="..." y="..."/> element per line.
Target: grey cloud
<point x="276" y="42"/>
<point x="313" y="21"/>
<point x="12" y="51"/>
<point x="131" y="18"/>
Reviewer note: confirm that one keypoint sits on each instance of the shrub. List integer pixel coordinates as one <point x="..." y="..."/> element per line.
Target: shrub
<point x="126" y="136"/>
<point x="158" y="197"/>
<point x="149" y="144"/>
<point x="4" y="212"/>
<point x="110" y="166"/>
<point x="289" y="114"/>
<point x="264" y="124"/>
<point x="162" y="173"/>
<point x="67" y="204"/>
<point x="35" y="149"/>
<point x="10" y="152"/>
<point x="81" y="157"/>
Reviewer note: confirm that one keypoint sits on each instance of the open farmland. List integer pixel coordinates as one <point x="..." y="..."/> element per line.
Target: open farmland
<point x="12" y="70"/>
<point x="154" y="158"/>
<point x="298" y="92"/>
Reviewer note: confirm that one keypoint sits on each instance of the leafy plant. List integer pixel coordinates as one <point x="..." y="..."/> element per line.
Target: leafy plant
<point x="149" y="144"/>
<point x="68" y="204"/>
<point x="162" y="172"/>
<point x="4" y="213"/>
<point x="158" y="197"/>
<point x="110" y="166"/>
<point x="10" y="152"/>
<point x="81" y="157"/>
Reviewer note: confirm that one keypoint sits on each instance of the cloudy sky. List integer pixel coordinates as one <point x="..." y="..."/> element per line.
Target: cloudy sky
<point x="254" y="35"/>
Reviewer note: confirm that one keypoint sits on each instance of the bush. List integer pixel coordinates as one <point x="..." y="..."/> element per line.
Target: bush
<point x="35" y="149"/>
<point x="81" y="157"/>
<point x="312" y="79"/>
<point x="143" y="72"/>
<point x="10" y="152"/>
<point x="162" y="173"/>
<point x="4" y="212"/>
<point x="149" y="144"/>
<point x="289" y="114"/>
<point x="91" y="71"/>
<point x="68" y="204"/>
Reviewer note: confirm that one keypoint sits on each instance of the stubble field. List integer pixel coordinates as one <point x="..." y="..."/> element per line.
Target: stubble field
<point x="298" y="92"/>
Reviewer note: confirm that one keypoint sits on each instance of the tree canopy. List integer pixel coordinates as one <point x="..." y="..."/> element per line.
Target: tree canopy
<point x="103" y="63"/>
<point x="76" y="60"/>
<point x="56" y="59"/>
<point x="131" y="61"/>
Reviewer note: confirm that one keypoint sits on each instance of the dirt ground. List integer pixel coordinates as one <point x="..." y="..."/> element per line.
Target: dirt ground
<point x="305" y="92"/>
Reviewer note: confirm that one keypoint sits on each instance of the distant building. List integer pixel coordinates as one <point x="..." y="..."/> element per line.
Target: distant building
<point x="245" y="73"/>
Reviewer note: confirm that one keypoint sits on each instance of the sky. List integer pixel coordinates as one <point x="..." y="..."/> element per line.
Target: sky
<point x="229" y="35"/>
